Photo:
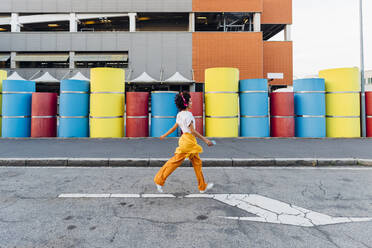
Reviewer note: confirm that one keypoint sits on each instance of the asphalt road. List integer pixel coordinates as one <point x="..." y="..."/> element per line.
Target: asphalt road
<point x="32" y="214"/>
<point x="155" y="148"/>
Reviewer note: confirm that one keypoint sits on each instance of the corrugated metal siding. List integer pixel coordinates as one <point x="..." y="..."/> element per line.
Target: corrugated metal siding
<point x="278" y="58"/>
<point x="58" y="6"/>
<point x="239" y="50"/>
<point x="227" y="6"/>
<point x="277" y="12"/>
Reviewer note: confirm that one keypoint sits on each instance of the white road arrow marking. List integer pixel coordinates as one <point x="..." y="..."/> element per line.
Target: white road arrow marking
<point x="268" y="210"/>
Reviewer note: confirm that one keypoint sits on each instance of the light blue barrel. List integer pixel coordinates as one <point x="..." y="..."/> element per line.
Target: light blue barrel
<point x="17" y="97"/>
<point x="163" y="112"/>
<point x="310" y="107"/>
<point x="254" y="108"/>
<point x="74" y="109"/>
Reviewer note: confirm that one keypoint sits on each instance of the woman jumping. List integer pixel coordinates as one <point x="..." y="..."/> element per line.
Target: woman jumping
<point x="187" y="145"/>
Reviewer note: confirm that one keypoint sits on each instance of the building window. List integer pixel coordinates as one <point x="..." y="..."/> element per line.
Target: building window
<point x="162" y="22"/>
<point x="104" y="24"/>
<point x="224" y="22"/>
<point x="5" y="28"/>
<point x="42" y="60"/>
<point x="101" y="59"/>
<point x="44" y="23"/>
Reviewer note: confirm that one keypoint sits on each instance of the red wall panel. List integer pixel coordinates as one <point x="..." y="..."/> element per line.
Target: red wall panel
<point x="227" y="6"/>
<point x="239" y="50"/>
<point x="278" y="58"/>
<point x="277" y="12"/>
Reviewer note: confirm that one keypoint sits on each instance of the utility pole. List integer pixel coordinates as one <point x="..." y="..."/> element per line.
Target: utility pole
<point x="363" y="98"/>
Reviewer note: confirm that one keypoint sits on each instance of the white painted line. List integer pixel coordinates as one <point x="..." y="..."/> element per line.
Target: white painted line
<point x="158" y="196"/>
<point x="125" y="195"/>
<point x="266" y="209"/>
<point x="84" y="196"/>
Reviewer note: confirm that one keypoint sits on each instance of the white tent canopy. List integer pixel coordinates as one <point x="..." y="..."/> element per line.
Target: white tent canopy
<point x="46" y="78"/>
<point x="178" y="78"/>
<point x="79" y="76"/>
<point x="15" y="76"/>
<point x="288" y="89"/>
<point x="144" y="78"/>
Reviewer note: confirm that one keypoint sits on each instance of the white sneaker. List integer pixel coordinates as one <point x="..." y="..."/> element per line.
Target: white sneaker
<point x="159" y="188"/>
<point x="209" y="186"/>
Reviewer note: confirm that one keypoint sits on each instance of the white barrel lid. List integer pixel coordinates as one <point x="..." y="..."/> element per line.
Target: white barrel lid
<point x="288" y="89"/>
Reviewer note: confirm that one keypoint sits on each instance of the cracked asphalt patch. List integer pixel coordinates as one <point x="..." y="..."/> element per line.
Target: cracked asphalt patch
<point x="31" y="215"/>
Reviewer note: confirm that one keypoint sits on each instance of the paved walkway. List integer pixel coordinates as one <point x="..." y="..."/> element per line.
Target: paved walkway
<point x="153" y="152"/>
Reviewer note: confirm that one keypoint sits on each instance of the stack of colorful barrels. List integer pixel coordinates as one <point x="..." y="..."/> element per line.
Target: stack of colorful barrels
<point x="74" y="109"/>
<point x="17" y="95"/>
<point x="282" y="113"/>
<point x="3" y="76"/>
<point x="137" y="119"/>
<point x="309" y="102"/>
<point x="107" y="103"/>
<point x="163" y="113"/>
<point x="44" y="115"/>
<point x="221" y="102"/>
<point x="342" y="102"/>
<point x="254" y="109"/>
<point x="197" y="110"/>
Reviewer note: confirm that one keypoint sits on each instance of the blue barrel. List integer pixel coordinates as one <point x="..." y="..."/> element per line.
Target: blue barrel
<point x="74" y="109"/>
<point x="310" y="110"/>
<point x="17" y="96"/>
<point x="254" y="108"/>
<point x="163" y="113"/>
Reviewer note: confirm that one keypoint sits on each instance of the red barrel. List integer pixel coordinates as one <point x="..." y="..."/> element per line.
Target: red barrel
<point x="282" y="114"/>
<point x="137" y="121"/>
<point x="197" y="110"/>
<point x="44" y="115"/>
<point x="369" y="113"/>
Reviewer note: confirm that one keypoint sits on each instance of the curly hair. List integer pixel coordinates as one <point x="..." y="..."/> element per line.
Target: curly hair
<point x="182" y="100"/>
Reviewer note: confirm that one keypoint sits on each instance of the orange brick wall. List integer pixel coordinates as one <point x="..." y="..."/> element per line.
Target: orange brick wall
<point x="277" y="12"/>
<point x="278" y="58"/>
<point x="239" y="50"/>
<point x="227" y="5"/>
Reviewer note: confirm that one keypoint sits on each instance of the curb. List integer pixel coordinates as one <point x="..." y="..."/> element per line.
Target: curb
<point x="207" y="162"/>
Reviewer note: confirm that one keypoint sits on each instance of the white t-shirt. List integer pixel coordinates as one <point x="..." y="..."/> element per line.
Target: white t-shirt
<point x="184" y="118"/>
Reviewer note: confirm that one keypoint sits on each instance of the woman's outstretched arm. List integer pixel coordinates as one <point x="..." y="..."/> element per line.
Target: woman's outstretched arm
<point x="169" y="131"/>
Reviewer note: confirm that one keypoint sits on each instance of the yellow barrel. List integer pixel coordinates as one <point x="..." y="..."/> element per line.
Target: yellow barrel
<point x="107" y="80"/>
<point x="107" y="103"/>
<point x="222" y="79"/>
<point x="3" y="76"/>
<point x="106" y="128"/>
<point x="217" y="104"/>
<point x="342" y="102"/>
<point x="221" y="102"/>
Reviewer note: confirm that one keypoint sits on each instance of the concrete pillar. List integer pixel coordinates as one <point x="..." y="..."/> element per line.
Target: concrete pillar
<point x="288" y="33"/>
<point x="14" y="22"/>
<point x="132" y="22"/>
<point x="73" y="23"/>
<point x="13" y="63"/>
<point x="257" y="22"/>
<point x="72" y="60"/>
<point x="192" y="22"/>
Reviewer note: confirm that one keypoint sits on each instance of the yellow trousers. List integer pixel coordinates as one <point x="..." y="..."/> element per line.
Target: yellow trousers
<point x="176" y="161"/>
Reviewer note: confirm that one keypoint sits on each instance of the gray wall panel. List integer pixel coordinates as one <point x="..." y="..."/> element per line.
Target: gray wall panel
<point x="48" y="42"/>
<point x="64" y="42"/>
<point x="109" y="42"/>
<point x="5" y="42"/>
<point x="18" y="42"/>
<point x="148" y="51"/>
<point x="59" y="6"/>
<point x="33" y="42"/>
<point x="79" y="42"/>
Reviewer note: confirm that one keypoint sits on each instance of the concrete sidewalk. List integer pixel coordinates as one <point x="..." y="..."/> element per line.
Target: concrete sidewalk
<point x="143" y="152"/>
